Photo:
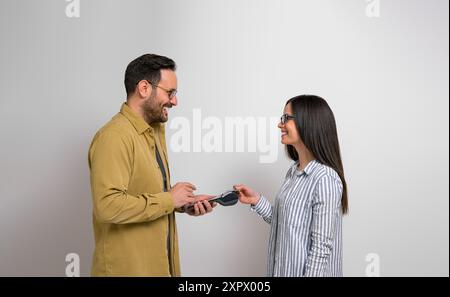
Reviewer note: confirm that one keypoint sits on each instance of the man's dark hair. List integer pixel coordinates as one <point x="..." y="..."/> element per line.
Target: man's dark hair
<point x="146" y="67"/>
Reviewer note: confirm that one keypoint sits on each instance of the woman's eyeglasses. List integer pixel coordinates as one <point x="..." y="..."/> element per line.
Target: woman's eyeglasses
<point x="284" y="118"/>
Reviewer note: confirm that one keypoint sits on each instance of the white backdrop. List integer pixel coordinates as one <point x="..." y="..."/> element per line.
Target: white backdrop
<point x="381" y="65"/>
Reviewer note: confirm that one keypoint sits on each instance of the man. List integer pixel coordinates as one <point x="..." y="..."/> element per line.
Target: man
<point x="133" y="202"/>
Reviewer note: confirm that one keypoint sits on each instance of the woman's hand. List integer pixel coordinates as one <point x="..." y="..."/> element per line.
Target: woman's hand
<point x="247" y="195"/>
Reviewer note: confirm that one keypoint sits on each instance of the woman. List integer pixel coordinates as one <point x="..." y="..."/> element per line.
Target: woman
<point x="306" y="220"/>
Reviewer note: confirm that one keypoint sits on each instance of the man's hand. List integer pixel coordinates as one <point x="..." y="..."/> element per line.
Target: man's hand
<point x="201" y="206"/>
<point x="182" y="194"/>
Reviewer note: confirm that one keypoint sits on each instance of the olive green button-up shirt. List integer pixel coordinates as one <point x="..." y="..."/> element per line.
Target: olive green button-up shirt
<point x="133" y="218"/>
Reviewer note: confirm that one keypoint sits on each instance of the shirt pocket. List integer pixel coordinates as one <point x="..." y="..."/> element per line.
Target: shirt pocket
<point x="296" y="209"/>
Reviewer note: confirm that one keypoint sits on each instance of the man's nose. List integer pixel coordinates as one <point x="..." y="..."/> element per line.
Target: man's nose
<point x="174" y="101"/>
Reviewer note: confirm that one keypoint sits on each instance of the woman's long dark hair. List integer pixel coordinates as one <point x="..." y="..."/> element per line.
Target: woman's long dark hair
<point x="317" y="128"/>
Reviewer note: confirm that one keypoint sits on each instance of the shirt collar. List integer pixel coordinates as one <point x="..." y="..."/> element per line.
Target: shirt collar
<point x="308" y="169"/>
<point x="138" y="122"/>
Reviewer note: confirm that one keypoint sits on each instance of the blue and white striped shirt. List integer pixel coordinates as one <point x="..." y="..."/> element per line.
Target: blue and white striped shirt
<point x="306" y="223"/>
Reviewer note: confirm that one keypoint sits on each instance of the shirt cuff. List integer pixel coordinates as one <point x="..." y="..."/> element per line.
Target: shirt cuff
<point x="167" y="205"/>
<point x="262" y="205"/>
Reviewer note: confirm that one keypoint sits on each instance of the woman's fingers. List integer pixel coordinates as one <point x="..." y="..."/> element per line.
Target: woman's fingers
<point x="240" y="188"/>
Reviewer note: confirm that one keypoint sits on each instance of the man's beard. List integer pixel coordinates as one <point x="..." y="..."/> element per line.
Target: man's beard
<point x="153" y="113"/>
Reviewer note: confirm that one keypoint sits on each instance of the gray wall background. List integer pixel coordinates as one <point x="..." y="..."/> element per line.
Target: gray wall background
<point x="386" y="79"/>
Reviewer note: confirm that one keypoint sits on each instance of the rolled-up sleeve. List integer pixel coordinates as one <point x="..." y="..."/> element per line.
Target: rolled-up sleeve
<point x="326" y="209"/>
<point x="111" y="162"/>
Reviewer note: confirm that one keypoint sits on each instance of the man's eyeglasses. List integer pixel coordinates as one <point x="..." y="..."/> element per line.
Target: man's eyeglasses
<point x="171" y="93"/>
<point x="284" y="118"/>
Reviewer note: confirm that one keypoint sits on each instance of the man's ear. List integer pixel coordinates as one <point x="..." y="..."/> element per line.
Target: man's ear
<point x="143" y="89"/>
